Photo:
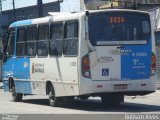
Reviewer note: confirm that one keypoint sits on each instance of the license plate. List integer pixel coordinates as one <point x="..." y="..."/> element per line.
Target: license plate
<point x="120" y="86"/>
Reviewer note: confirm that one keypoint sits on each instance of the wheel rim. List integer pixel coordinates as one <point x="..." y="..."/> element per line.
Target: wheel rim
<point x="52" y="97"/>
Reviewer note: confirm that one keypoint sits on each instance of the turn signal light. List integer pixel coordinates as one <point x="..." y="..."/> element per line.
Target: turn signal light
<point x="86" y="67"/>
<point x="153" y="65"/>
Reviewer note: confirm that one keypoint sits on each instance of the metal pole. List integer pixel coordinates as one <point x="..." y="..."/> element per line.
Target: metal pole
<point x="14" y="10"/>
<point x="1" y="7"/>
<point x="40" y="8"/>
<point x="135" y="4"/>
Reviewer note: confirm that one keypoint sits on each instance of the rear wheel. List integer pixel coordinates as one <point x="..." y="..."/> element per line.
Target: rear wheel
<point x="53" y="100"/>
<point x="17" y="97"/>
<point x="112" y="100"/>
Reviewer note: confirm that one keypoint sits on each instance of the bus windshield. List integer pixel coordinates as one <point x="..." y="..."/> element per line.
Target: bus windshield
<point x="118" y="28"/>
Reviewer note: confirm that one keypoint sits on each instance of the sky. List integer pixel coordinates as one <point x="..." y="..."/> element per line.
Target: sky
<point x="7" y="5"/>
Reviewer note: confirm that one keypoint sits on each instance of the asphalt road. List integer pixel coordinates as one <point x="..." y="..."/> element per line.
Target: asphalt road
<point x="149" y="104"/>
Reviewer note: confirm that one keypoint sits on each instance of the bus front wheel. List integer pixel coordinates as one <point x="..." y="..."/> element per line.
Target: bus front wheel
<point x="17" y="97"/>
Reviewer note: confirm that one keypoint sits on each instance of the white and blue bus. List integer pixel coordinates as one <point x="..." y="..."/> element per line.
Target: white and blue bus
<point x="105" y="53"/>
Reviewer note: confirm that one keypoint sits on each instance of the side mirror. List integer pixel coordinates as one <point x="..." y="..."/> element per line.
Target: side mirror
<point x="4" y="43"/>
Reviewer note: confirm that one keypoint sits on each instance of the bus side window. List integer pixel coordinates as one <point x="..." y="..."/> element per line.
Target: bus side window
<point x="56" y="39"/>
<point x="20" y="45"/>
<point x="31" y="41"/>
<point x="10" y="45"/>
<point x="43" y="35"/>
<point x="70" y="47"/>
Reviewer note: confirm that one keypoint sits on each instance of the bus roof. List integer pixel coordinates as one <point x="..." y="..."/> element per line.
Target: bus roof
<point x="121" y="10"/>
<point x="60" y="16"/>
<point x="57" y="17"/>
<point x="29" y="22"/>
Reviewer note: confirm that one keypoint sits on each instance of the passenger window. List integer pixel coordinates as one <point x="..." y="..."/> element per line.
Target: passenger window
<point x="10" y="45"/>
<point x="31" y="42"/>
<point x="32" y="33"/>
<point x="43" y="32"/>
<point x="43" y="35"/>
<point x="70" y="47"/>
<point x="20" y="45"/>
<point x="56" y="39"/>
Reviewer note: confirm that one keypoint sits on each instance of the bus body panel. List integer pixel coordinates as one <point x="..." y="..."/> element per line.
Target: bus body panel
<point x="106" y="66"/>
<point x="30" y="75"/>
<point x="132" y="62"/>
<point x="133" y="86"/>
<point x="18" y="69"/>
<point x="137" y="64"/>
<point x="62" y="72"/>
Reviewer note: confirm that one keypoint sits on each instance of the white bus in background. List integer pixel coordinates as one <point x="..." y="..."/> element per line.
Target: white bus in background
<point x="105" y="53"/>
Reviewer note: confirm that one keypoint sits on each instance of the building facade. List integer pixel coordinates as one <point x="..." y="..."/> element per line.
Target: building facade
<point x="31" y="12"/>
<point x="78" y="5"/>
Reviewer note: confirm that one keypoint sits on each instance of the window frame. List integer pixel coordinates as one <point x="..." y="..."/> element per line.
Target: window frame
<point x="61" y="39"/>
<point x="47" y="40"/>
<point x="19" y="42"/>
<point x="31" y="41"/>
<point x="75" y="38"/>
<point x="12" y="33"/>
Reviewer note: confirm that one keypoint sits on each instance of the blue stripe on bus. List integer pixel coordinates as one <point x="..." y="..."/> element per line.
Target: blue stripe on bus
<point x="23" y="87"/>
<point x="137" y="64"/>
<point x="21" y="69"/>
<point x="18" y="68"/>
<point x="21" y="23"/>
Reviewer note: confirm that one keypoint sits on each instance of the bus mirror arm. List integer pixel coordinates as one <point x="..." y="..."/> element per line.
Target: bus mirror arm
<point x="90" y="45"/>
<point x="87" y="35"/>
<point x="87" y="13"/>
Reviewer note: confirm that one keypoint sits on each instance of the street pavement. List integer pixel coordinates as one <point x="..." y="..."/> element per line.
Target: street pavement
<point x="39" y="108"/>
<point x="37" y="104"/>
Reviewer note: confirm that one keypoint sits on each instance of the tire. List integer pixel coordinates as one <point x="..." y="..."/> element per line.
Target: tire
<point x="53" y="100"/>
<point x="17" y="97"/>
<point x="112" y="100"/>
